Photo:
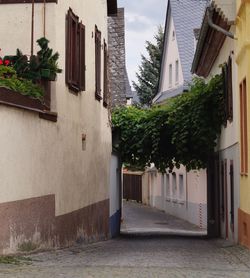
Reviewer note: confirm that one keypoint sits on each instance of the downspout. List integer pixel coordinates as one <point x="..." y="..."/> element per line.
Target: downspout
<point x="32" y="27"/>
<point x="44" y="18"/>
<point x="216" y="27"/>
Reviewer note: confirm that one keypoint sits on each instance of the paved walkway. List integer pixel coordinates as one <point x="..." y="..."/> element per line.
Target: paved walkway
<point x="139" y="257"/>
<point x="139" y="219"/>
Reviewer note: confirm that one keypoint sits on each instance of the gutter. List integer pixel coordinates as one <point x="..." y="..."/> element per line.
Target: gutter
<point x="207" y="23"/>
<point x="217" y="27"/>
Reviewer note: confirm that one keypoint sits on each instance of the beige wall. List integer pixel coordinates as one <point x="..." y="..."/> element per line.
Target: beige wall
<point x="40" y="157"/>
<point x="186" y="197"/>
<point x="170" y="55"/>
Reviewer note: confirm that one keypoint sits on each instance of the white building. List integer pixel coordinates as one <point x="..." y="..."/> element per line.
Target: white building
<point x="55" y="169"/>
<point x="181" y="193"/>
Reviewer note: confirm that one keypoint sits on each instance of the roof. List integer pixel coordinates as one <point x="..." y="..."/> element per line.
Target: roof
<point x="187" y="16"/>
<point x="169" y="94"/>
<point x="210" y="42"/>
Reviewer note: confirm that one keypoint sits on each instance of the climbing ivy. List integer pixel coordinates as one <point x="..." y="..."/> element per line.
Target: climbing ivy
<point x="184" y="130"/>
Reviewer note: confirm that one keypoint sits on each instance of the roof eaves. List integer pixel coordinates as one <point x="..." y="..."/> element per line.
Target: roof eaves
<point x="200" y="43"/>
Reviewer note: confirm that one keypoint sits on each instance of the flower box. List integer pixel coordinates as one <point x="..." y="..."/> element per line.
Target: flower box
<point x="8" y="96"/>
<point x="17" y="100"/>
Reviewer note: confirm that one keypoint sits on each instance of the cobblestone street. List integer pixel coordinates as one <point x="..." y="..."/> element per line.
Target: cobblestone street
<point x="138" y="257"/>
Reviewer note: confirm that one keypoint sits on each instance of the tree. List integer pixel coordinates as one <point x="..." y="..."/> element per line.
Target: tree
<point x="149" y="70"/>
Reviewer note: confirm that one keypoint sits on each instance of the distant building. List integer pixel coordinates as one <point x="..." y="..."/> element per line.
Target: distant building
<point x="180" y="193"/>
<point x="182" y="25"/>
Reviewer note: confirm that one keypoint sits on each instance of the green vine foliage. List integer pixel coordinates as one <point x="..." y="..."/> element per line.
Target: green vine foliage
<point x="184" y="130"/>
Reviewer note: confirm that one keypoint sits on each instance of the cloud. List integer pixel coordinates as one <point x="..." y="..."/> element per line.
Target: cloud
<point x="141" y="21"/>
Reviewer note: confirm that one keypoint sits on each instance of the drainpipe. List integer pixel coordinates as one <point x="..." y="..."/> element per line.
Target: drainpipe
<point x="32" y="27"/>
<point x="216" y="27"/>
<point x="44" y="18"/>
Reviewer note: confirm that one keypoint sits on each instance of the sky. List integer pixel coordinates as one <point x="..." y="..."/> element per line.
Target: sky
<point x="141" y="21"/>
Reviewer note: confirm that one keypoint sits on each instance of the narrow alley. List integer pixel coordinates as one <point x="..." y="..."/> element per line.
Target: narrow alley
<point x="139" y="219"/>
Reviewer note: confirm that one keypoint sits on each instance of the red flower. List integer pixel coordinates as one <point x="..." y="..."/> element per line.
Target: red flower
<point x="1" y="62"/>
<point x="6" y="62"/>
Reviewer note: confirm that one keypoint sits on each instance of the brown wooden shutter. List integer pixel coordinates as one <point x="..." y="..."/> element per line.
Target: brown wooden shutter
<point x="225" y="92"/>
<point x="73" y="45"/>
<point x="230" y="90"/>
<point x="82" y="57"/>
<point x="98" y="63"/>
<point x="74" y="67"/>
<point x="105" y="76"/>
<point x="75" y="53"/>
<point x="68" y="47"/>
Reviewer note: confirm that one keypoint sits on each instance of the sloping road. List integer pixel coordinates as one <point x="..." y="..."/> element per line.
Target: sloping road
<point x="139" y="219"/>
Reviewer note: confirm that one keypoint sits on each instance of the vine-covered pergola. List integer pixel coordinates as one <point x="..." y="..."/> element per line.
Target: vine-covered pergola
<point x="184" y="130"/>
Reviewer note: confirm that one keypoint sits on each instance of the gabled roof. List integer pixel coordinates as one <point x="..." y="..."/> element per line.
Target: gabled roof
<point x="187" y="16"/>
<point x="173" y="92"/>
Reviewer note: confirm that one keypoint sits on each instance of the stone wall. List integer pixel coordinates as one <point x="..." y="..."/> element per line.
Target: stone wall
<point x="117" y="68"/>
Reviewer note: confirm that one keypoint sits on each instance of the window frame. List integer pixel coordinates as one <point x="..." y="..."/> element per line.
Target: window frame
<point x="177" y="72"/>
<point x="170" y="75"/>
<point x="243" y="128"/>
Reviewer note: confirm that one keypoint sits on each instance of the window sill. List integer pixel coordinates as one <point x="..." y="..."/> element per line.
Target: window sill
<point x="17" y="100"/>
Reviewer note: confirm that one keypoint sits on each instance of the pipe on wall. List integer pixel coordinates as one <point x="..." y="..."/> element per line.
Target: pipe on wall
<point x="216" y="27"/>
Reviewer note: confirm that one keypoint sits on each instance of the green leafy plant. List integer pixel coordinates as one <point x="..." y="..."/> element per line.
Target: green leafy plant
<point x="182" y="131"/>
<point x="23" y="86"/>
<point x="7" y="72"/>
<point x="43" y="65"/>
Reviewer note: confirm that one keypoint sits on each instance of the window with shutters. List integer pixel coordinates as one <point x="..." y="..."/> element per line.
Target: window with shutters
<point x="243" y="128"/>
<point x="228" y="90"/>
<point x="105" y="76"/>
<point x="98" y="46"/>
<point x="75" y="53"/>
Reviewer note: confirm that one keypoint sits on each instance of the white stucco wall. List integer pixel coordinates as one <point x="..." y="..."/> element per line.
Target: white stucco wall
<point x="170" y="55"/>
<point x="115" y="185"/>
<point x="40" y="157"/>
<point x="187" y="200"/>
